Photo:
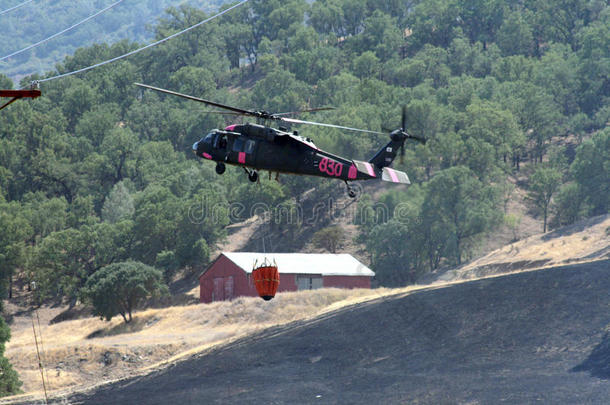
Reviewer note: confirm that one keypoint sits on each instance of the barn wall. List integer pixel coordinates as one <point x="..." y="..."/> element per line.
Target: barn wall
<point x="224" y="267"/>
<point x="347" y="281"/>
<point x="288" y="282"/>
<point x="243" y="285"/>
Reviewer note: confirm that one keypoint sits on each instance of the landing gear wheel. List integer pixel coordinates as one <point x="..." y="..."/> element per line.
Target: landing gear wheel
<point x="253" y="176"/>
<point x="350" y="191"/>
<point x="220" y="168"/>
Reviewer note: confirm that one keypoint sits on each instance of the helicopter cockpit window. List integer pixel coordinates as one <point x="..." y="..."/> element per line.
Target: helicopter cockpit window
<point x="238" y="144"/>
<point x="249" y="146"/>
<point x="220" y="141"/>
<point x="208" y="138"/>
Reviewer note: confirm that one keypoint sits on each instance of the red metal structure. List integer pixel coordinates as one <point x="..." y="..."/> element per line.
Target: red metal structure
<point x="17" y="94"/>
<point x="230" y="275"/>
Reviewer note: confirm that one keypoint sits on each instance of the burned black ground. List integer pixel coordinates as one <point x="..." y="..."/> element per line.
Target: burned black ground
<point x="531" y="337"/>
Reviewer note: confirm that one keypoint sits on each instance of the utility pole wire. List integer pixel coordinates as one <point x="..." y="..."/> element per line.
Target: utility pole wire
<point x="61" y="32"/>
<point x="144" y="47"/>
<point x="8" y="10"/>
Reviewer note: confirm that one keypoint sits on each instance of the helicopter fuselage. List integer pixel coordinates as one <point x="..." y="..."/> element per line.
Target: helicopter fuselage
<point x="260" y="147"/>
<point x="257" y="147"/>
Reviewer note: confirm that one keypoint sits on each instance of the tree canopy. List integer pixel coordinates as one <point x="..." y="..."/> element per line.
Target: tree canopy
<point x="98" y="171"/>
<point x="117" y="289"/>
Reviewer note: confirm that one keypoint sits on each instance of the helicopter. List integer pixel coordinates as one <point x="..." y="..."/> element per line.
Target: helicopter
<point x="257" y="147"/>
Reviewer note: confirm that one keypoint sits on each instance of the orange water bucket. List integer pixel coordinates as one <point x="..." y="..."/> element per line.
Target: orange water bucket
<point x="266" y="280"/>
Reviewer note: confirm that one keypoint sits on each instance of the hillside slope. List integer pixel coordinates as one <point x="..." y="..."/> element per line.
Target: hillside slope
<point x="516" y="339"/>
<point x="581" y="242"/>
<point x="82" y="352"/>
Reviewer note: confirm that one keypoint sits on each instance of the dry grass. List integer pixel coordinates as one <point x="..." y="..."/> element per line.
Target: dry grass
<point x="582" y="242"/>
<point x="85" y="351"/>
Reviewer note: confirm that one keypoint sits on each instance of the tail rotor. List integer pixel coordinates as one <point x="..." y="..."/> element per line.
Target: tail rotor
<point x="401" y="134"/>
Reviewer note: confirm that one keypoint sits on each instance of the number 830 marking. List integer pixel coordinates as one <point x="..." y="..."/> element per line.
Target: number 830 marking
<point x="330" y="167"/>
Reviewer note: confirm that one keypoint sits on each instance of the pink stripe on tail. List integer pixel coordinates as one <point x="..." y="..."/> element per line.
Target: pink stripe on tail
<point x="392" y="174"/>
<point x="369" y="168"/>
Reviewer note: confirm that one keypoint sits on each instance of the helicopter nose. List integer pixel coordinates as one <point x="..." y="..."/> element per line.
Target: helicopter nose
<point x="195" y="146"/>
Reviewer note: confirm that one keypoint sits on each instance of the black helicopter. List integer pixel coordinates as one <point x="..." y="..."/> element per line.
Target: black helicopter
<point x="257" y="147"/>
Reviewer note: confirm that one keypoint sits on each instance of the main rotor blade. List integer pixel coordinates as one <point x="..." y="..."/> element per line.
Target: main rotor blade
<point x="201" y="100"/>
<point x="305" y="111"/>
<point x="223" y="113"/>
<point x="295" y="121"/>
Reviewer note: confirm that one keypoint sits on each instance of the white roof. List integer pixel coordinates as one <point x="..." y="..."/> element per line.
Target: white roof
<point x="303" y="263"/>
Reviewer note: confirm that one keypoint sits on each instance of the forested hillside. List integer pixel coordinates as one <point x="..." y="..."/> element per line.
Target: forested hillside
<point x="40" y="19"/>
<point x="98" y="171"/>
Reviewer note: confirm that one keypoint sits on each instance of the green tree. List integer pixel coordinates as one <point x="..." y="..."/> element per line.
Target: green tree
<point x="118" y="205"/>
<point x="462" y="208"/>
<point x="328" y="238"/>
<point x="167" y="261"/>
<point x="594" y="56"/>
<point x="237" y="36"/>
<point x="14" y="232"/>
<point x="118" y="147"/>
<point x="95" y="124"/>
<point x="79" y="98"/>
<point x="591" y="170"/>
<point x="489" y="123"/>
<point x="45" y="215"/>
<point x="366" y="65"/>
<point x="64" y="260"/>
<point x="195" y="81"/>
<point x="544" y="182"/>
<point x="561" y="19"/>
<point x="156" y="216"/>
<point x="515" y="36"/>
<point x="82" y="212"/>
<point x="398" y="246"/>
<point x="9" y="380"/>
<point x="392" y="253"/>
<point x="536" y="111"/>
<point x="5" y="82"/>
<point x="200" y="254"/>
<point x="382" y="36"/>
<point x="433" y="22"/>
<point x="568" y="206"/>
<point x="279" y="91"/>
<point x="558" y="73"/>
<point x="256" y="200"/>
<point x="119" y="288"/>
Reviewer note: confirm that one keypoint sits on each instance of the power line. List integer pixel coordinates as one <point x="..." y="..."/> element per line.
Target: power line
<point x="144" y="47"/>
<point x="15" y="7"/>
<point x="61" y="32"/>
<point x="40" y="363"/>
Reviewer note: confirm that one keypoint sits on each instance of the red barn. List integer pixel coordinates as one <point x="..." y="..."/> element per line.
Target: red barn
<point x="229" y="276"/>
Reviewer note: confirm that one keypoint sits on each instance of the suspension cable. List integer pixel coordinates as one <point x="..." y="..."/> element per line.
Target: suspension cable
<point x="144" y="47"/>
<point x="61" y="32"/>
<point x="8" y="10"/>
<point x="44" y="356"/>
<point x="40" y="365"/>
